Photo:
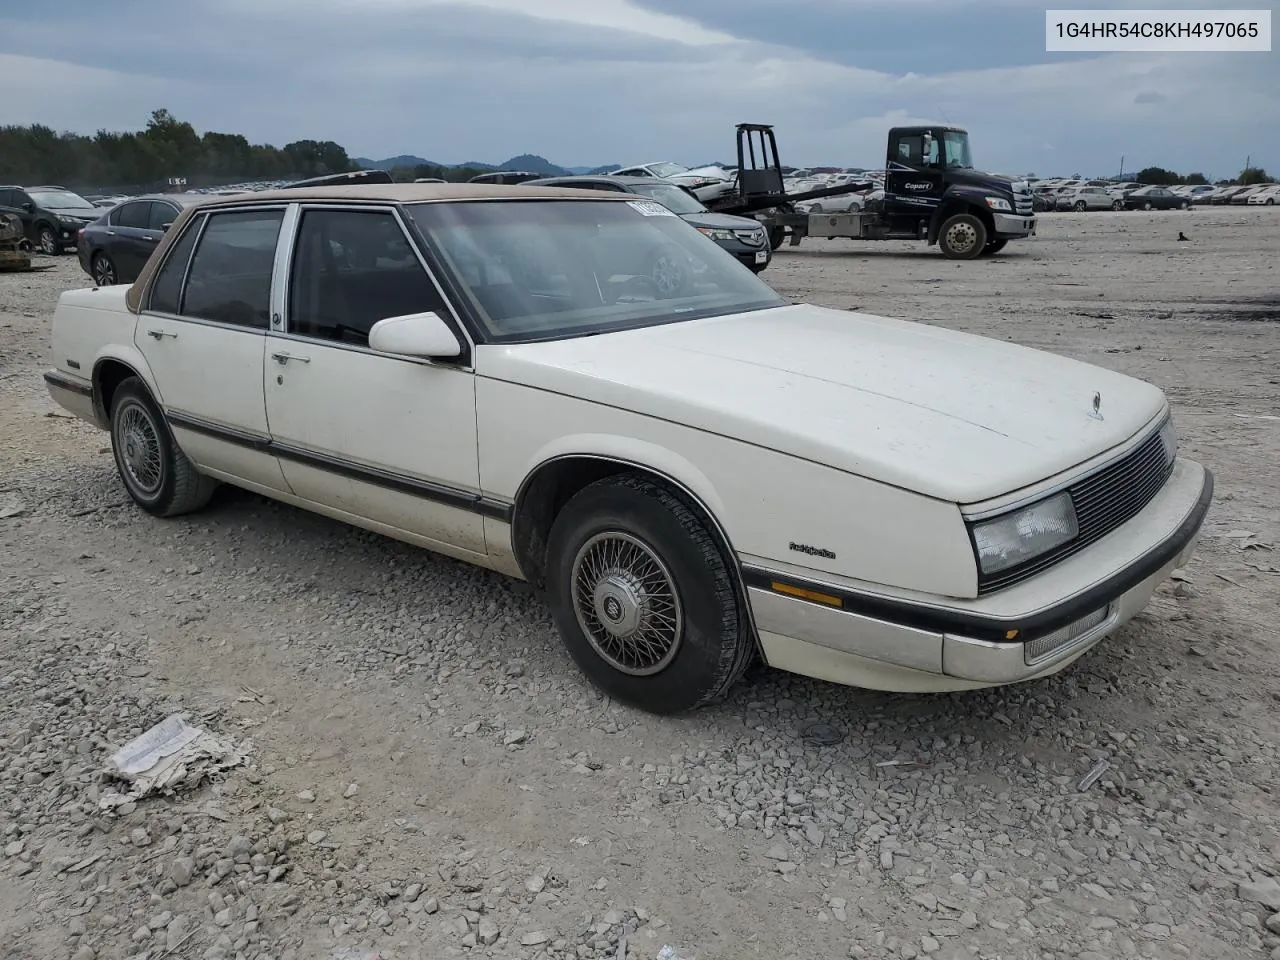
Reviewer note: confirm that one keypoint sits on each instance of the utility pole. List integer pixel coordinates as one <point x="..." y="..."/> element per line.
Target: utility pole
<point x="1122" y="166"/>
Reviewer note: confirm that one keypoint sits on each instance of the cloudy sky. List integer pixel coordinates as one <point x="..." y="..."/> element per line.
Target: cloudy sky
<point x="585" y="82"/>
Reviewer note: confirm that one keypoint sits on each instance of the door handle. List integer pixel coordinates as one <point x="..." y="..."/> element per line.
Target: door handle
<point x="151" y="239"/>
<point x="286" y="357"/>
<point x="111" y="233"/>
<point x="161" y="333"/>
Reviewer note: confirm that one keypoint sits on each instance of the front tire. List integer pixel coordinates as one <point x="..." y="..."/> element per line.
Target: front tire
<point x="156" y="474"/>
<point x="644" y="598"/>
<point x="1117" y="205"/>
<point x="962" y="237"/>
<point x="1081" y="206"/>
<point x="48" y="242"/>
<point x="777" y="237"/>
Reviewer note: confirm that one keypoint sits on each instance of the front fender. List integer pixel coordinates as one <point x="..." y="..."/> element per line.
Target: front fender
<point x="641" y="453"/>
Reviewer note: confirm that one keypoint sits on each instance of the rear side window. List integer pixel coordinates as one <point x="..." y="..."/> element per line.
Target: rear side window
<point x="166" y="291"/>
<point x="230" y="276"/>
<point x="133" y="215"/>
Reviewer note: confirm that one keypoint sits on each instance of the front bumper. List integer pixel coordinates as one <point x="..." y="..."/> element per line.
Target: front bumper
<point x="1026" y="632"/>
<point x="1011" y="226"/>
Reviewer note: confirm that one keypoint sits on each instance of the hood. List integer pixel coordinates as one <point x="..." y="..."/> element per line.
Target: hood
<point x="976" y="178"/>
<point x="720" y="221"/>
<point x="87" y="214"/>
<point x="950" y="415"/>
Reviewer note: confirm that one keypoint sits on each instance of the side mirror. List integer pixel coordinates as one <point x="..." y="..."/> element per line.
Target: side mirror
<point x="423" y="335"/>
<point x="28" y="206"/>
<point x="166" y="226"/>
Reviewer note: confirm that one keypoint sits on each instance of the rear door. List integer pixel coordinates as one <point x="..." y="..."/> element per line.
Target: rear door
<point x="126" y="243"/>
<point x="203" y="332"/>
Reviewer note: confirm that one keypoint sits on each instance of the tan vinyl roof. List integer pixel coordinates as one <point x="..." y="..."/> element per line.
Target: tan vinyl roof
<point x="346" y="193"/>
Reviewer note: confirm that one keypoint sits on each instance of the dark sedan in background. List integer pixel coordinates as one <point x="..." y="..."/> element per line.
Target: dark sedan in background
<point x="740" y="236"/>
<point x="1154" y="198"/>
<point x="114" y="247"/>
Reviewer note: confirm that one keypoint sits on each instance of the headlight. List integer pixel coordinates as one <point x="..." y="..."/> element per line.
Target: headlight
<point x="1025" y="534"/>
<point x="716" y="234"/>
<point x="998" y="203"/>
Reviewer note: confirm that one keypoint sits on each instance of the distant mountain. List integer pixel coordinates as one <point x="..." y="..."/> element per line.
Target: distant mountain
<point x="534" y="164"/>
<point x="526" y="161"/>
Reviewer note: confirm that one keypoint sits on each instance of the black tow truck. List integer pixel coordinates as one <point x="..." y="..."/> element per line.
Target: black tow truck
<point x="931" y="193"/>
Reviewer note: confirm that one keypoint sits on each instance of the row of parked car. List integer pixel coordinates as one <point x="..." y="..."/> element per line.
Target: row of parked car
<point x="1081" y="195"/>
<point x="114" y="236"/>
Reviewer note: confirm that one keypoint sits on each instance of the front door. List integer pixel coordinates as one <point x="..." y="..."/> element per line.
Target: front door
<point x="913" y="184"/>
<point x="386" y="438"/>
<point x="203" y="333"/>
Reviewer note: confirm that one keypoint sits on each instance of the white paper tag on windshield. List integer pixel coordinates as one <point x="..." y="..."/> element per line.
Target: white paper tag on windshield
<point x="650" y="208"/>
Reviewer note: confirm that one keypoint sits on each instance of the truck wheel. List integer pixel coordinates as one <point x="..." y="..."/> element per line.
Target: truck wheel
<point x="777" y="237"/>
<point x="156" y="474"/>
<point x="994" y="247"/>
<point x="644" y="598"/>
<point x="962" y="237"/>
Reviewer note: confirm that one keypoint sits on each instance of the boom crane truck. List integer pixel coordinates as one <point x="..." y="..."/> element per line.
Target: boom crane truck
<point x="931" y="193"/>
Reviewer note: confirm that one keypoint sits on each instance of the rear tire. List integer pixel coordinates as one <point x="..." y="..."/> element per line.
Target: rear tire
<point x="103" y="270"/>
<point x="1117" y="205"/>
<point x="644" y="598"/>
<point x="156" y="474"/>
<point x="1081" y="206"/>
<point x="962" y="237"/>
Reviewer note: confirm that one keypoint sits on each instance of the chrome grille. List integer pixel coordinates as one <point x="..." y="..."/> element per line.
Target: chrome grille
<point x="752" y="238"/>
<point x="1103" y="500"/>
<point x="1023" y="203"/>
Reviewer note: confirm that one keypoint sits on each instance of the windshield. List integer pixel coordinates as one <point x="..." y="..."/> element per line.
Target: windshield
<point x="673" y="198"/>
<point x="61" y="200"/>
<point x="667" y="169"/>
<point x="956" y="145"/>
<point x="548" y="269"/>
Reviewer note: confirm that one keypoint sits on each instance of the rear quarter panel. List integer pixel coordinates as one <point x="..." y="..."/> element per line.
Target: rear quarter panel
<point x="764" y="500"/>
<point x="90" y="326"/>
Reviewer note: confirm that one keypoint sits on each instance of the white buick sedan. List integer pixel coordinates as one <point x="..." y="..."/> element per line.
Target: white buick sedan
<point x="585" y="392"/>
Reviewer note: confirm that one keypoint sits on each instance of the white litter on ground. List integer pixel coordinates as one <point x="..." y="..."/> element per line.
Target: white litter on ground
<point x="171" y="755"/>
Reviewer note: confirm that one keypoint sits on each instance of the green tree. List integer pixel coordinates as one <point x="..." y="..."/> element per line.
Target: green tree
<point x="1195" y="179"/>
<point x="1157" y="175"/>
<point x="1252" y="175"/>
<point x="144" y="159"/>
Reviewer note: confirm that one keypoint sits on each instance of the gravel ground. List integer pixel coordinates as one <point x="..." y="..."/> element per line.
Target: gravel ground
<point x="428" y="775"/>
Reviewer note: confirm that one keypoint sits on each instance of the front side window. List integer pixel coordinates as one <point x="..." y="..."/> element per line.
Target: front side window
<point x="160" y="214"/>
<point x="352" y="268"/>
<point x="548" y="269"/>
<point x="229" y="280"/>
